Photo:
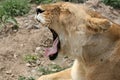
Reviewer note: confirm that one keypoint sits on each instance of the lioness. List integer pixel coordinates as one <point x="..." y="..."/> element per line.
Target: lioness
<point x="90" y="38"/>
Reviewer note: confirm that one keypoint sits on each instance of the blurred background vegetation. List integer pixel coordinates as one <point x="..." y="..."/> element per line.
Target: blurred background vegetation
<point x="12" y="8"/>
<point x="113" y="3"/>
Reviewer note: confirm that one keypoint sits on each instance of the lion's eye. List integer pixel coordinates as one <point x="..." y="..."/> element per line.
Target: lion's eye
<point x="38" y="10"/>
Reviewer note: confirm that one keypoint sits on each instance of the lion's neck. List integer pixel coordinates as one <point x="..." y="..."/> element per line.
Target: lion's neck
<point x="97" y="49"/>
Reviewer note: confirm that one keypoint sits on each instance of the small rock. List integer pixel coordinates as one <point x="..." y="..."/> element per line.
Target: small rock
<point x="12" y="75"/>
<point x="36" y="26"/>
<point x="1" y="68"/>
<point x="9" y="72"/>
<point x="37" y="49"/>
<point x="28" y="65"/>
<point x="15" y="56"/>
<point x="21" y="45"/>
<point x="38" y="62"/>
<point x="54" y="69"/>
<point x="33" y="71"/>
<point x="41" y="52"/>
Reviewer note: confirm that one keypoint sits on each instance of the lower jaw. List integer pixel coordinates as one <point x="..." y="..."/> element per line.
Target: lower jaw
<point x="55" y="35"/>
<point x="54" y="56"/>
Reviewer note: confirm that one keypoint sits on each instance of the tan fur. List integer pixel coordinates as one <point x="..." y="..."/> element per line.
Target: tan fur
<point x="93" y="40"/>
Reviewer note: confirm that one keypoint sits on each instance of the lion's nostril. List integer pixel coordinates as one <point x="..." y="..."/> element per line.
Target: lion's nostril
<point x="38" y="10"/>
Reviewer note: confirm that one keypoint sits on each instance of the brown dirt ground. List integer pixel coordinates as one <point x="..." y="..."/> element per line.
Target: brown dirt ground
<point x="31" y="38"/>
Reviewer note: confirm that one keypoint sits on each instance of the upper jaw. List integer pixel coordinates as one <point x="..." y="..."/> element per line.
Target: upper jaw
<point x="40" y="18"/>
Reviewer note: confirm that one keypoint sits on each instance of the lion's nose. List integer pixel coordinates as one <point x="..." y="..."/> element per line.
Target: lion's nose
<point x="38" y="10"/>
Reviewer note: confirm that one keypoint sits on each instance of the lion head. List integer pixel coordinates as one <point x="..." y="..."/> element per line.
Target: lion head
<point x="92" y="39"/>
<point x="75" y="29"/>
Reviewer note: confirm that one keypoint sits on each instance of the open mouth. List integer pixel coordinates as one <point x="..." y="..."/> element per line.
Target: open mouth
<point x="52" y="52"/>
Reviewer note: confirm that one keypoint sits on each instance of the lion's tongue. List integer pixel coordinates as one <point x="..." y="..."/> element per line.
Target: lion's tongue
<point x="52" y="50"/>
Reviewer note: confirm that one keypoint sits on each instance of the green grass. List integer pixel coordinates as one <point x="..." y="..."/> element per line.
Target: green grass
<point x="16" y="7"/>
<point x="9" y="9"/>
<point x="51" y="68"/>
<point x="43" y="1"/>
<point x="5" y="20"/>
<point x="25" y="78"/>
<point x="113" y="3"/>
<point x="30" y="58"/>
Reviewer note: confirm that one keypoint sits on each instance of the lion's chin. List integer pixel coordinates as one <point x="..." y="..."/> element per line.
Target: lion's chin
<point x="54" y="56"/>
<point x="52" y="52"/>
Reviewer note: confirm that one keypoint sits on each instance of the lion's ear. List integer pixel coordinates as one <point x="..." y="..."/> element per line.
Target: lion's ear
<point x="98" y="24"/>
